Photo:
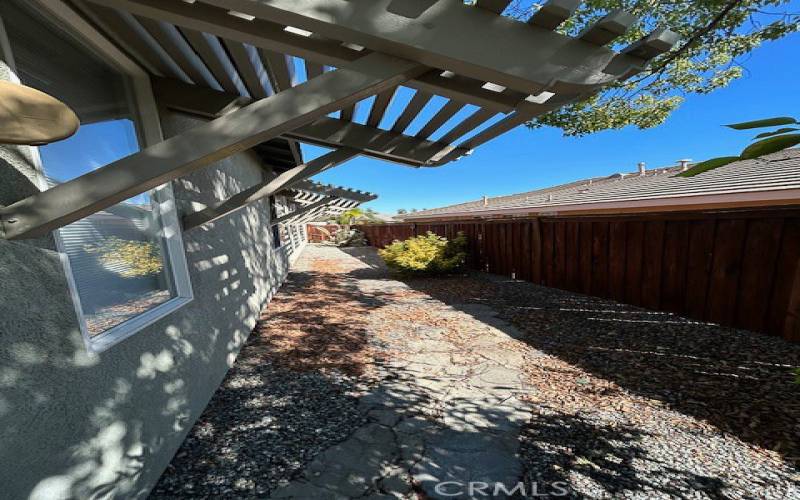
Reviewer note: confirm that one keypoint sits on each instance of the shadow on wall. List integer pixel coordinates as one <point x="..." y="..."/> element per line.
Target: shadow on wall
<point x="74" y="424"/>
<point x="297" y="367"/>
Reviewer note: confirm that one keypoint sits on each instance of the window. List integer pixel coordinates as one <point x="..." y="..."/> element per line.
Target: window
<point x="125" y="264"/>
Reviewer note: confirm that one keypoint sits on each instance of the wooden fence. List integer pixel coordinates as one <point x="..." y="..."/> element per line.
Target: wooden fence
<point x="735" y="268"/>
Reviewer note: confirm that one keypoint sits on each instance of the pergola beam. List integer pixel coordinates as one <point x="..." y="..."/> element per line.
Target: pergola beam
<point x="309" y="186"/>
<point x="271" y="38"/>
<point x="202" y="145"/>
<point x="267" y="188"/>
<point x="377" y="143"/>
<point x="308" y="208"/>
<point x="449" y="35"/>
<point x="325" y="131"/>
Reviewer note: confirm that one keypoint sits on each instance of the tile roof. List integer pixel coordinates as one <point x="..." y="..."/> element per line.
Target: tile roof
<point x="778" y="171"/>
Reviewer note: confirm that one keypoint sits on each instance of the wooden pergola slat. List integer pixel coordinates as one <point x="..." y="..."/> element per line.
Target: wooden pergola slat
<point x="496" y="6"/>
<point x="280" y="69"/>
<point x="114" y="23"/>
<point x="606" y="29"/>
<point x="420" y="99"/>
<point x="382" y="102"/>
<point x="553" y="13"/>
<point x="445" y="113"/>
<point x="176" y="46"/>
<point x="313" y="69"/>
<point x="250" y="70"/>
<point x="201" y="43"/>
<point x="471" y="122"/>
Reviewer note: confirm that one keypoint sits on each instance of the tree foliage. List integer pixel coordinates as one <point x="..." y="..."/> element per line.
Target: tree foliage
<point x="426" y="254"/>
<point x="716" y="35"/>
<point x="356" y="216"/>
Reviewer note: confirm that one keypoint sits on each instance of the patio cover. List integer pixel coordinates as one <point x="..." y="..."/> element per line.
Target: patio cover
<point x="313" y="200"/>
<point x="233" y="62"/>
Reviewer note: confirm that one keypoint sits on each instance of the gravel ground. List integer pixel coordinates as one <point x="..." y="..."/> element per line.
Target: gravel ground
<point x="630" y="403"/>
<point x="290" y="394"/>
<point x="263" y="425"/>
<point x="623" y="402"/>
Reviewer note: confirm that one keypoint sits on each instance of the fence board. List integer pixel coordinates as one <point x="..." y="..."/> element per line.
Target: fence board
<point x="725" y="270"/>
<point x="674" y="265"/>
<point x="547" y="253"/>
<point x="525" y="256"/>
<point x="616" y="260"/>
<point x="573" y="256"/>
<point x="585" y="257"/>
<point x="536" y="251"/>
<point x="781" y="315"/>
<point x="633" y="271"/>
<point x="600" y="259"/>
<point x="698" y="267"/>
<point x="651" y="263"/>
<point x="758" y="268"/>
<point x="559" y="255"/>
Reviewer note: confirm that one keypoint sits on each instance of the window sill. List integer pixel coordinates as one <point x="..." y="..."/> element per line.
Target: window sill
<point x="134" y="325"/>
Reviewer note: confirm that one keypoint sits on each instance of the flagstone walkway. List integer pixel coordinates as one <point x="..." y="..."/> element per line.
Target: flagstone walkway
<point x="447" y="408"/>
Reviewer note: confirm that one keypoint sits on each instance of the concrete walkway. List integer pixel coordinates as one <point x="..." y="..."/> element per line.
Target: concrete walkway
<point x="445" y="410"/>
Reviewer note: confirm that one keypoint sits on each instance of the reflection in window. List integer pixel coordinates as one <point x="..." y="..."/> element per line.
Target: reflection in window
<point x="117" y="256"/>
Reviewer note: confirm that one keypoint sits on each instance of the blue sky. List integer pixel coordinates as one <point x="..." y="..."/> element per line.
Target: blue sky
<point x="525" y="159"/>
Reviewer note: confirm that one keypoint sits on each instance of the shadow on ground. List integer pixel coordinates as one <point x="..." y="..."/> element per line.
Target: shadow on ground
<point x="620" y="400"/>
<point x="738" y="381"/>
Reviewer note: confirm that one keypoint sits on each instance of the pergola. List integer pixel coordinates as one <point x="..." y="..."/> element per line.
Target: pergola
<point x="231" y="61"/>
<point x="314" y="200"/>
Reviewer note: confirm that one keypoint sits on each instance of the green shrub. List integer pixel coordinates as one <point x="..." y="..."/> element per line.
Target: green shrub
<point x="428" y="254"/>
<point x="136" y="258"/>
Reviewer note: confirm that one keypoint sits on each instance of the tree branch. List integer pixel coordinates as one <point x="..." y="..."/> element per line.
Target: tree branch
<point x="697" y="36"/>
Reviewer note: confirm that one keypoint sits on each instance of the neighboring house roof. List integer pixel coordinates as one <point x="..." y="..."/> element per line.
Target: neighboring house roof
<point x="384" y="217"/>
<point x="770" y="180"/>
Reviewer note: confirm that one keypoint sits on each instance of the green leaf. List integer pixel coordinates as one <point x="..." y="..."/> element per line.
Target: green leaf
<point x="771" y="145"/>
<point x="776" y="132"/>
<point x="707" y="165"/>
<point x="767" y="122"/>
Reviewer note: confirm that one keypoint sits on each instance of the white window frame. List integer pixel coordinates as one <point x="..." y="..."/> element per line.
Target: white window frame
<point x="149" y="133"/>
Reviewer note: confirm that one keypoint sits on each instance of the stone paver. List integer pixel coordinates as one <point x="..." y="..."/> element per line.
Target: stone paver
<point x="445" y="409"/>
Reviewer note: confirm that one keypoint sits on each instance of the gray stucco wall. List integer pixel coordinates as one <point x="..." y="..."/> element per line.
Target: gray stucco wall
<point x="74" y="424"/>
